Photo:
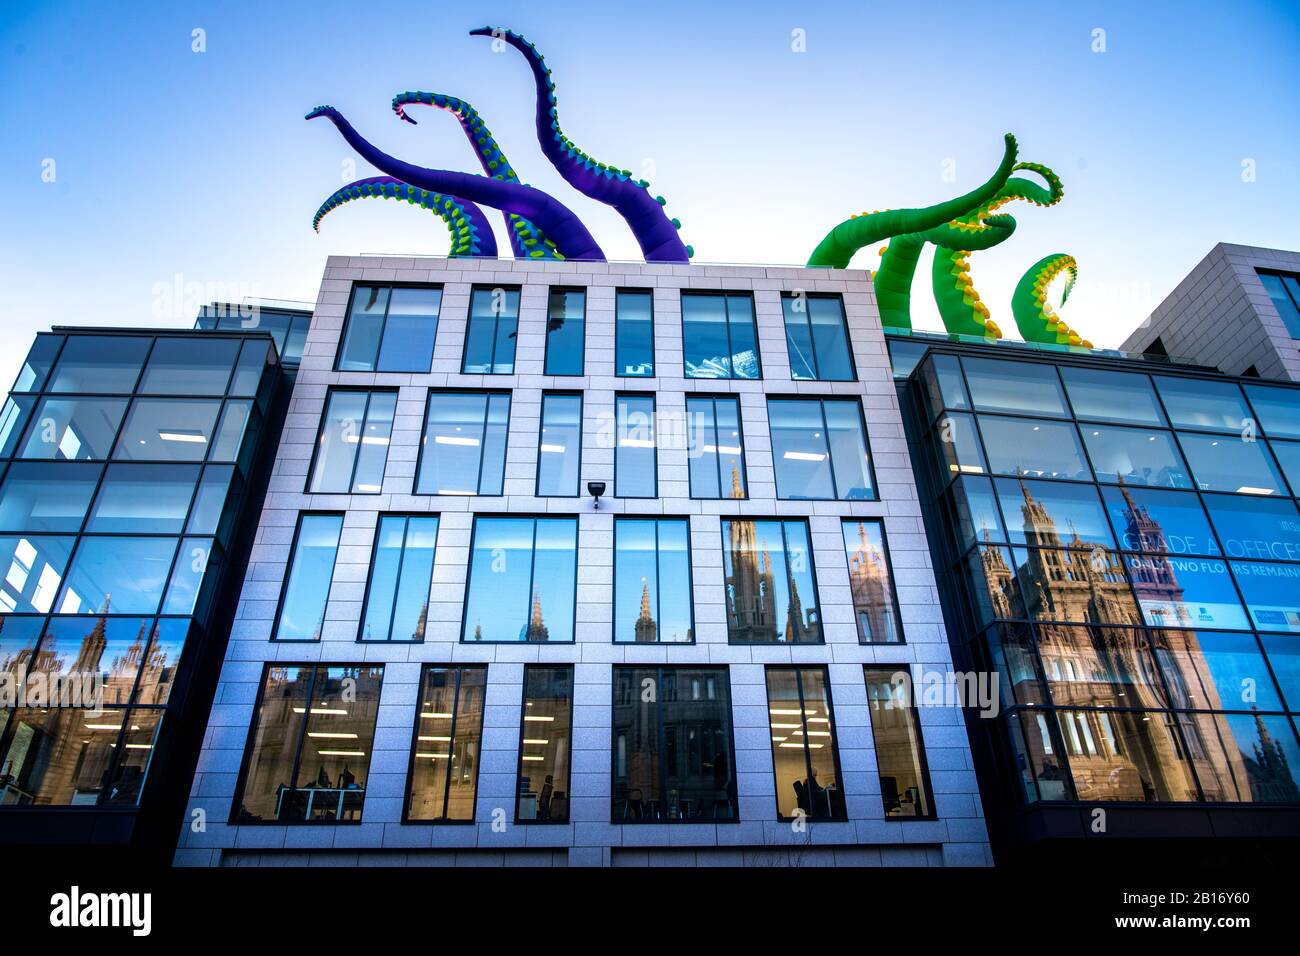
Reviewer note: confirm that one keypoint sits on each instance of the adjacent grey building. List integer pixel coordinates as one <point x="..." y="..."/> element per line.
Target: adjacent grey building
<point x="448" y="651"/>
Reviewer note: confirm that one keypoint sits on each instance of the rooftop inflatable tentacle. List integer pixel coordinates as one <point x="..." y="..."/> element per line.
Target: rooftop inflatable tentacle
<point x="1034" y="317"/>
<point x="842" y="242"/>
<point x="527" y="241"/>
<point x="643" y="212"/>
<point x="570" y="236"/>
<point x="471" y="235"/>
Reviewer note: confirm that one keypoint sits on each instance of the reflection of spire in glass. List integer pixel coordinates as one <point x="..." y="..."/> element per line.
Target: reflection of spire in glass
<point x="645" y="624"/>
<point x="536" y="632"/>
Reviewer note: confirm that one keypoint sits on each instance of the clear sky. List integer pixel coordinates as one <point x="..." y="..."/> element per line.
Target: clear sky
<point x="170" y="163"/>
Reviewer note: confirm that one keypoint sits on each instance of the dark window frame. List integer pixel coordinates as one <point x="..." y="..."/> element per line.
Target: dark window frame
<point x="713" y="399"/>
<point x="401" y="561"/>
<point x="690" y="580"/>
<point x="731" y="352"/>
<point x="541" y="424"/>
<point x="333" y="390"/>
<point x="879" y="522"/>
<point x="358" y="284"/>
<point x="816" y="359"/>
<point x="496" y="322"/>
<point x="654" y="361"/>
<point x="546" y="356"/>
<point x="288" y="573"/>
<point x="654" y="432"/>
<point x="458" y="669"/>
<point x="798" y="671"/>
<point x="782" y="520"/>
<point x="523" y="728"/>
<point x="424" y="434"/>
<point x="923" y="764"/>
<point x="821" y="400"/>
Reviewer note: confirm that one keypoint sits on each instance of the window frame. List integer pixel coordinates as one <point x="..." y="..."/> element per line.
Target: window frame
<point x="690" y="581"/>
<point x="546" y="352"/>
<point x="781" y="520"/>
<point x="723" y="294"/>
<point x="487" y="393"/>
<point x="798" y="671"/>
<point x="816" y="359"/>
<point x="458" y="668"/>
<point x="654" y="361"/>
<point x="879" y="522"/>
<point x="523" y="712"/>
<point x="288" y="573"/>
<point x="821" y="400"/>
<point x="333" y="390"/>
<point x="713" y="399"/>
<point x="401" y="562"/>
<point x="541" y="425"/>
<point x="654" y="440"/>
<point x="383" y="325"/>
<point x="923" y="763"/>
<point x="469" y="319"/>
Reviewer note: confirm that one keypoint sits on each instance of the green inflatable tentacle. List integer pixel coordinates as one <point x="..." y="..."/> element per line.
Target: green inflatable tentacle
<point x="959" y="304"/>
<point x="842" y="242"/>
<point x="469" y="231"/>
<point x="1034" y="317"/>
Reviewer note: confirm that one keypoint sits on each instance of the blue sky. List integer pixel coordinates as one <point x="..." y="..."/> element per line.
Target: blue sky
<point x="173" y="163"/>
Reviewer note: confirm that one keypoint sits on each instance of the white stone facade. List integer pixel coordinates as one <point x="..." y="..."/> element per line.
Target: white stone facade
<point x="956" y="837"/>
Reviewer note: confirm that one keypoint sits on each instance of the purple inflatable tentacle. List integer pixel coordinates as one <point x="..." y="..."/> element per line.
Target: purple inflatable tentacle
<point x="644" y="214"/>
<point x="564" y="228"/>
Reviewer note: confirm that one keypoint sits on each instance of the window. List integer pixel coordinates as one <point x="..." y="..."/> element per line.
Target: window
<point x="448" y="743"/>
<point x="770" y="588"/>
<point x="1038" y="449"/>
<point x="254" y="358"/>
<point x="209" y="513"/>
<point x="566" y="320"/>
<point x="74" y="429"/>
<point x="1288" y="457"/>
<point x="287" y="327"/>
<point x="559" y="446"/>
<point x="805" y="757"/>
<point x="99" y="363"/>
<point x="1112" y="396"/>
<point x="635" y="456"/>
<point x="1154" y="521"/>
<point x="1176" y="591"/>
<point x="522" y="580"/>
<point x="401" y="574"/>
<point x="819" y="447"/>
<point x="148" y="499"/>
<point x="40" y="359"/>
<point x="1220" y="743"/>
<point x="36" y="496"/>
<point x="13" y="418"/>
<point x="875" y="608"/>
<point x="975" y="512"/>
<point x="545" y="745"/>
<point x="1126" y="755"/>
<point x="1135" y="456"/>
<point x="1277" y="408"/>
<point x="167" y="429"/>
<point x="652" y="581"/>
<point x="1272" y="594"/>
<point x="634" y="334"/>
<point x="957" y="445"/>
<point x="307" y="583"/>
<point x="942" y="385"/>
<point x="1227" y="463"/>
<point x="1053" y="514"/>
<point x="492" y="332"/>
<point x="1284" y="657"/>
<point x="673" y="754"/>
<point x="817" y="338"/>
<point x="1088" y="587"/>
<point x="463" y="451"/>
<point x="719" y="339"/>
<point x="900" y="758"/>
<point x="390" y="329"/>
<point x="32" y="572"/>
<point x="1204" y="404"/>
<point x="1020" y="388"/>
<point x="1284" y="290"/>
<point x="352" y="449"/>
<point x="310" y="745"/>
<point x="197" y="365"/>
<point x="1211" y="671"/>
<point x="1254" y="527"/>
<point x="1099" y="667"/>
<point x="122" y="575"/>
<point x="717" y="448"/>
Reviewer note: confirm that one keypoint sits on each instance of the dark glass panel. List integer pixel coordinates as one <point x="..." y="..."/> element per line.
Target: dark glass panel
<point x="904" y="354"/>
<point x="74" y="429"/>
<point x="1011" y="651"/>
<point x="158" y="672"/>
<point x="566" y="319"/>
<point x="1126" y="755"/>
<point x="1112" y="396"/>
<point x="167" y="429"/>
<point x="634" y="344"/>
<point x="139" y="737"/>
<point x="197" y="365"/>
<point x="267" y="785"/>
<point x="1135" y="456"/>
<point x="1037" y="449"/>
<point x="13" y="418"/>
<point x="1045" y="756"/>
<point x="994" y="589"/>
<point x="1053" y="514"/>
<point x="1015" y="387"/>
<point x="545" y="748"/>
<point x="448" y="741"/>
<point x="904" y="786"/>
<point x="253" y="360"/>
<point x="230" y="433"/>
<point x="334" y="761"/>
<point x="59" y="757"/>
<point x="307" y="583"/>
<point x="210" y="501"/>
<point x="100" y="363"/>
<point x="1285" y="293"/>
<point x="197" y="561"/>
<point x="39" y="360"/>
<point x="1284" y="657"/>
<point x="957" y="444"/>
<point x="36" y="496"/>
<point x="1288" y="456"/>
<point x="1244" y="758"/>
<point x="942" y="385"/>
<point x="804" y="752"/>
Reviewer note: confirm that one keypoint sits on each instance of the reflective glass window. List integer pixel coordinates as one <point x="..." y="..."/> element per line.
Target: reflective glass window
<point x="40" y="358"/>
<point x="18" y="637"/>
<point x="32" y="569"/>
<point x="976" y="512"/>
<point x="994" y="589"/>
<point x="805" y="757"/>
<point x="310" y="745"/>
<point x="158" y="670"/>
<point x="635" y="455"/>
<point x="124" y="575"/>
<point x="652" y="581"/>
<point x="1154" y="521"/>
<point x="1272" y="594"/>
<point x="1086" y="587"/>
<point x="817" y="338"/>
<point x="1206" y="670"/>
<point x="719" y="339"/>
<point x="1135" y="456"/>
<point x="1201" y="403"/>
<point x="1243" y="758"/>
<point x="401" y="575"/>
<point x="1288" y="457"/>
<point x="1225" y="463"/>
<point x="566" y="320"/>
<point x="559" y="446"/>
<point x="1053" y="514"/>
<point x="62" y="756"/>
<point x="107" y="650"/>
<point x="522" y="580"/>
<point x="1284" y="657"/>
<point x="492" y="332"/>
<point x="634" y="334"/>
<point x="545" y="746"/>
<point x="770" y="589"/>
<point x="875" y="607"/>
<point x="942" y="385"/>
<point x="716" y="455"/>
<point x="167" y="429"/>
<point x="904" y="354"/>
<point x="1177" y="591"/>
<point x="37" y="496"/>
<point x="819" y="447"/>
<point x="210" y="502"/>
<point x="1011" y="650"/>
<point x="390" y="329"/>
<point x="1099" y="667"/>
<point x="99" y="363"/>
<point x="463" y="451"/>
<point x="1284" y="290"/>
<point x="900" y="760"/>
<point x="673" y="758"/>
<point x="1254" y="527"/>
<point x="1045" y="756"/>
<point x="235" y="418"/>
<point x="448" y="744"/>
<point x="957" y="445"/>
<point x="352" y="449"/>
<point x="1126" y="755"/>
<point x="12" y="419"/>
<point x="197" y="365"/>
<point x="148" y="499"/>
<point x="1023" y="388"/>
<point x="1277" y="408"/>
<point x="1036" y="449"/>
<point x="74" y="429"/>
<point x="308" y="578"/>
<point x="196" y="562"/>
<point x="254" y="357"/>
<point x="1104" y="396"/>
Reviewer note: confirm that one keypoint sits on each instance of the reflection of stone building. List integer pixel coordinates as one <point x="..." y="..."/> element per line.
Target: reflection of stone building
<point x="1268" y="770"/>
<point x="645" y="623"/>
<point x="751" y="604"/>
<point x="873" y="602"/>
<point x="536" y="631"/>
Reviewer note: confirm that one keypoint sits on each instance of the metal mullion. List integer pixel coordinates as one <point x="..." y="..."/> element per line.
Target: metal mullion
<point x="482" y="439"/>
<point x="658" y="586"/>
<point x="356" y="458"/>
<point x="457" y="672"/>
<point x="397" y="581"/>
<point x="826" y="440"/>
<point x="807" y="751"/>
<point x="532" y="574"/>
